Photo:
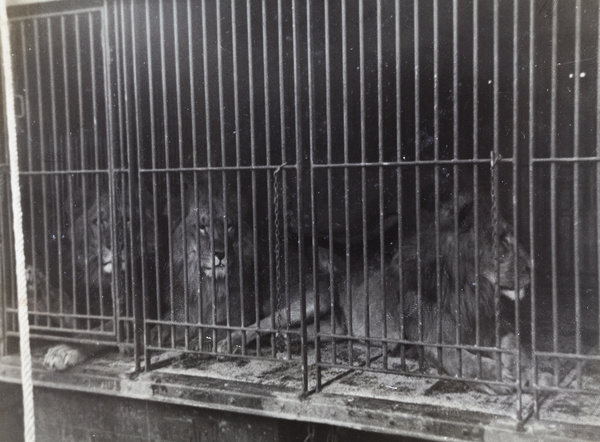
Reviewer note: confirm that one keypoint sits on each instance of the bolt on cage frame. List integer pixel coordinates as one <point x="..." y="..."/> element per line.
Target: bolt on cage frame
<point x="303" y="105"/>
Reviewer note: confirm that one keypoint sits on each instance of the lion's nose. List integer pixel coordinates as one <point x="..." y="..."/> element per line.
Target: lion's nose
<point x="219" y="256"/>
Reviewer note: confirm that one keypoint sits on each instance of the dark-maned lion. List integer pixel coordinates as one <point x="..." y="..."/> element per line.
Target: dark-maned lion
<point x="409" y="290"/>
<point x="429" y="309"/>
<point x="212" y="258"/>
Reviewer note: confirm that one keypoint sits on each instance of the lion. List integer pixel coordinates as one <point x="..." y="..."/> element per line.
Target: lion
<point x="212" y="265"/>
<point x="429" y="310"/>
<point x="409" y="290"/>
<point x="97" y="268"/>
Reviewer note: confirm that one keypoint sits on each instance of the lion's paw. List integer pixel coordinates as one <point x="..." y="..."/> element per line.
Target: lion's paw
<point x="60" y="357"/>
<point x="236" y="344"/>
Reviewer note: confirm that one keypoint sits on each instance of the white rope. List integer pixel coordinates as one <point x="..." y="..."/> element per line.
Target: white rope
<point x="11" y="126"/>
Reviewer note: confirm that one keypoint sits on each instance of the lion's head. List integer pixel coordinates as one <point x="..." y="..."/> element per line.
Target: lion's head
<point x="502" y="262"/>
<point x="102" y="237"/>
<point x="217" y="234"/>
<point x="211" y="229"/>
<point x="511" y="284"/>
<point x="94" y="239"/>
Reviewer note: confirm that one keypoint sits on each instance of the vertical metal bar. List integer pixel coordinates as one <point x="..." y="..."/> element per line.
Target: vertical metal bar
<point x="598" y="164"/>
<point x="194" y="151"/>
<point x="349" y="309"/>
<point x="213" y="305"/>
<point x="83" y="144"/>
<point x="83" y="184"/>
<point x="266" y="83"/>
<point x="29" y="146"/>
<point x="476" y="174"/>
<point x="495" y="171"/>
<point x="515" y="206"/>
<point x="553" y="167"/>
<point x="363" y="158"/>
<point x="129" y="134"/>
<point x="236" y="106"/>
<point x="398" y="84"/>
<point x="153" y="154"/>
<point x="30" y="154"/>
<point x="207" y="121"/>
<point x="68" y="149"/>
<point x="149" y="69"/>
<point x="238" y="175"/>
<point x="576" y="192"/>
<point x="252" y="148"/>
<point x="5" y="260"/>
<point x="531" y="176"/>
<point x="283" y="128"/>
<point x="122" y="129"/>
<point x="455" y="120"/>
<point x="135" y="127"/>
<point x="58" y="188"/>
<point x="384" y="333"/>
<point x="43" y="178"/>
<point x="176" y="33"/>
<point x="299" y="190"/>
<point x="332" y="288"/>
<point x="167" y="150"/>
<point x="416" y="34"/>
<point x="311" y="144"/>
<point x="107" y="86"/>
<point x="224" y="188"/>
<point x="125" y="146"/>
<point x="222" y="176"/>
<point x="436" y="177"/>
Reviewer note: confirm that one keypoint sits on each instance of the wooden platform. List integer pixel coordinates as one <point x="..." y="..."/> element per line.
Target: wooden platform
<point x="366" y="401"/>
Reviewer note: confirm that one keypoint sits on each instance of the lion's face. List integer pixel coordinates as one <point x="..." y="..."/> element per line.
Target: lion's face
<point x="512" y="273"/>
<point x="94" y="240"/>
<point x="105" y="240"/>
<point x="214" y="225"/>
<point x="216" y="242"/>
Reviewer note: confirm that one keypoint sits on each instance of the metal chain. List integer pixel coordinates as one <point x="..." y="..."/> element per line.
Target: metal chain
<point x="495" y="158"/>
<point x="277" y="254"/>
<point x="494" y="167"/>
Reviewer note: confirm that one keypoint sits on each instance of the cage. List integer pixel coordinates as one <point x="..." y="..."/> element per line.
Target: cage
<point x="406" y="189"/>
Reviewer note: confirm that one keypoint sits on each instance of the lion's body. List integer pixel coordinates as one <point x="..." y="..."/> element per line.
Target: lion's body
<point x="97" y="276"/>
<point x="425" y="298"/>
<point x="431" y="298"/>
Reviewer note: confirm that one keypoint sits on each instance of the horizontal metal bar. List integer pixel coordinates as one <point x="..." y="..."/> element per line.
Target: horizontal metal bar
<point x="552" y="389"/>
<point x="409" y="163"/>
<point x="64" y="315"/>
<point x="419" y="343"/>
<point x="67" y="172"/>
<point x="54" y="14"/>
<point x="166" y="323"/>
<point x="214" y="168"/>
<point x="567" y="356"/>
<point x="79" y="333"/>
<point x="371" y="368"/>
<point x="261" y="357"/>
<point x="566" y="160"/>
<point x="89" y="341"/>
